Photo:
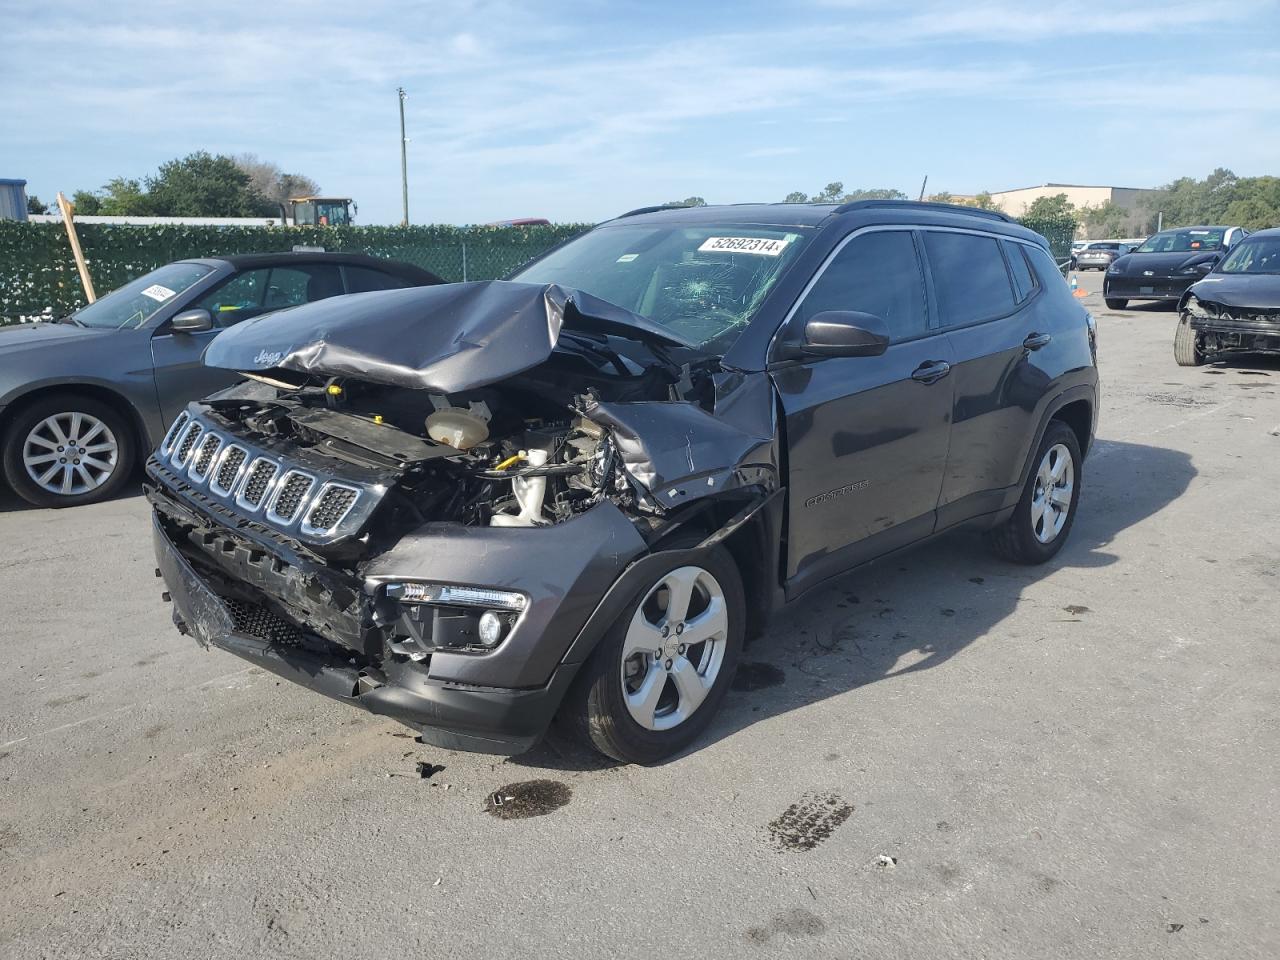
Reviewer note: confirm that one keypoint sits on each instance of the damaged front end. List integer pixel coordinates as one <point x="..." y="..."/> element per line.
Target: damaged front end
<point x="426" y="501"/>
<point x="1223" y="327"/>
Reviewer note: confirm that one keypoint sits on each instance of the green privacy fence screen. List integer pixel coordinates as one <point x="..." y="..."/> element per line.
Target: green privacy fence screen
<point x="38" y="275"/>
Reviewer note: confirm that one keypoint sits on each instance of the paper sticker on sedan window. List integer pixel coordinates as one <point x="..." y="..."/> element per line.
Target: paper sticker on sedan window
<point x="627" y="257"/>
<point x="157" y="292"/>
<point x="762" y="246"/>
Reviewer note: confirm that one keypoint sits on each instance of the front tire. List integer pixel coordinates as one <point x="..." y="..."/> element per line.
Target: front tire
<point x="657" y="678"/>
<point x="1046" y="510"/>
<point x="1114" y="304"/>
<point x="65" y="450"/>
<point x="1185" y="350"/>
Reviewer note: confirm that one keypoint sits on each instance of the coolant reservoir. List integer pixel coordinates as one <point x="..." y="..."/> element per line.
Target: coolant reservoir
<point x="456" y="427"/>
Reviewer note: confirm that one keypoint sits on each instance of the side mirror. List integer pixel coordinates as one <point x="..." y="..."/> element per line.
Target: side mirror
<point x="845" y="333"/>
<point x="191" y="321"/>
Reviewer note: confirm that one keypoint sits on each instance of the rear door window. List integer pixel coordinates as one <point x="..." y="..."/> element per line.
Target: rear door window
<point x="969" y="276"/>
<point x="879" y="273"/>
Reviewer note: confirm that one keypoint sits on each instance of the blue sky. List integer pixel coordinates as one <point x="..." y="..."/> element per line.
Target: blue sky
<point x="578" y="111"/>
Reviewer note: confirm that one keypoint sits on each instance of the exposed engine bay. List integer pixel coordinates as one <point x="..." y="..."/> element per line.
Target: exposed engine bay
<point x="522" y="453"/>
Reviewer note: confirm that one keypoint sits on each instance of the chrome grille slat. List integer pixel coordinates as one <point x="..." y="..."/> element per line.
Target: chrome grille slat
<point x="202" y="462"/>
<point x="188" y="441"/>
<point x="227" y="472"/>
<point x="262" y="472"/>
<point x="289" y="496"/>
<point x="330" y="507"/>
<point x="170" y="438"/>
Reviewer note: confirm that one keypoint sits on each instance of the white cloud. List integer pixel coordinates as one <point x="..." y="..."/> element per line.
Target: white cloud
<point x="514" y="109"/>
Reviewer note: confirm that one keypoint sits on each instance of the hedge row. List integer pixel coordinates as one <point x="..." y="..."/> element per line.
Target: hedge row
<point x="38" y="275"/>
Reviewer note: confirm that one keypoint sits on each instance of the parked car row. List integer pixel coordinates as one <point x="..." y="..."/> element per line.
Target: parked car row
<point x="1167" y="263"/>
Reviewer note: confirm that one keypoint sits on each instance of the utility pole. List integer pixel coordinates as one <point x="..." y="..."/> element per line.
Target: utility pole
<point x="404" y="162"/>
<point x="924" y="183"/>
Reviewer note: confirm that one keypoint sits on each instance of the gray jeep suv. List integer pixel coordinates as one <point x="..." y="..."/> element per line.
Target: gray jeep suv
<point x="477" y="506"/>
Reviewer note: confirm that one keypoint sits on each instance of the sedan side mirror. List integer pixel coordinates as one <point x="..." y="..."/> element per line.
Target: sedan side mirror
<point x="191" y="321"/>
<point x="845" y="333"/>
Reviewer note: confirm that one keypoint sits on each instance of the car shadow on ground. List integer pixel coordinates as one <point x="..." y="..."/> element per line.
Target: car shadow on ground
<point x="918" y="609"/>
<point x="1258" y="364"/>
<point x="10" y="502"/>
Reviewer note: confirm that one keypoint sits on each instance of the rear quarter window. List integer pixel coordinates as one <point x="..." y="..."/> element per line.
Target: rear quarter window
<point x="969" y="276"/>
<point x="1023" y="280"/>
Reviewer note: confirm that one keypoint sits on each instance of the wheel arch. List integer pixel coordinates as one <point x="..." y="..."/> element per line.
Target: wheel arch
<point x="103" y="394"/>
<point x="747" y="523"/>
<point x="1078" y="415"/>
<point x="1077" y="408"/>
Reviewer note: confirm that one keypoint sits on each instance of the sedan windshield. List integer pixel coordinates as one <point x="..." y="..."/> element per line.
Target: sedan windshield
<point x="1253" y="256"/>
<point x="703" y="282"/>
<point x="1190" y="240"/>
<point x="130" y="306"/>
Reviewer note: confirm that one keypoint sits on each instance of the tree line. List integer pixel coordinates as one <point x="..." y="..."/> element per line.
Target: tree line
<point x="1221" y="199"/>
<point x="200" y="184"/>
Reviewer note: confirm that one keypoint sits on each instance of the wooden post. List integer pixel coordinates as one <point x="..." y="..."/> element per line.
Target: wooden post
<point x="68" y="212"/>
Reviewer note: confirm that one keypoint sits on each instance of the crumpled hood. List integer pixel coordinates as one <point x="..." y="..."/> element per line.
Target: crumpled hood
<point x="446" y="338"/>
<point x="1161" y="264"/>
<point x="1258" y="291"/>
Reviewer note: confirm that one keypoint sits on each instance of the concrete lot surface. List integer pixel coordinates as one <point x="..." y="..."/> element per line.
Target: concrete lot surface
<point x="945" y="756"/>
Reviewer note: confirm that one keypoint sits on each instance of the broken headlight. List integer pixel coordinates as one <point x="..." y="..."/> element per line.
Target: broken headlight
<point x="426" y="617"/>
<point x="1197" y="308"/>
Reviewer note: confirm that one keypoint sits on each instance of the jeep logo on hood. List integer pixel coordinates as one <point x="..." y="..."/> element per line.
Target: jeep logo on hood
<point x="269" y="359"/>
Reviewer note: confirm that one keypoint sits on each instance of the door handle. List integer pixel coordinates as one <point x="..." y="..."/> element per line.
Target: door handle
<point x="931" y="371"/>
<point x="1035" y="341"/>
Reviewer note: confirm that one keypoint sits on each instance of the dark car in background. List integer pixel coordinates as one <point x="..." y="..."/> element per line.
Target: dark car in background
<point x="1167" y="263"/>
<point x="83" y="399"/>
<point x="477" y="506"/>
<point x="1236" y="308"/>
<point x="1100" y="254"/>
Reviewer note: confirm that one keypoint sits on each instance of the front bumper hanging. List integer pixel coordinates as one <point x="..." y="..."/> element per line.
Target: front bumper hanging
<point x="449" y="715"/>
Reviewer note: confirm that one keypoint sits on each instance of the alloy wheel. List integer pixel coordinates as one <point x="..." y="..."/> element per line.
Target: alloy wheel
<point x="70" y="453"/>
<point x="1051" y="499"/>
<point x="674" y="648"/>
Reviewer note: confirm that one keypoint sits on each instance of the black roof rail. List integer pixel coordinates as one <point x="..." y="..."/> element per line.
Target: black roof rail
<point x="928" y="204"/>
<point x="654" y="209"/>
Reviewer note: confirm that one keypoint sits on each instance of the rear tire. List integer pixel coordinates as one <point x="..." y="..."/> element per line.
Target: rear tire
<point x="1113" y="304"/>
<point x="1185" y="350"/>
<point x="629" y="698"/>
<point x="47" y="469"/>
<point x="1046" y="510"/>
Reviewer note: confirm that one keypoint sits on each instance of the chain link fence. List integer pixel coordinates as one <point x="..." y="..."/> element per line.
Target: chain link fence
<point x="38" y="277"/>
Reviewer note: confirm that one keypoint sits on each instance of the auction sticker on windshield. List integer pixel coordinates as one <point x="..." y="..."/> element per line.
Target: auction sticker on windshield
<point x="157" y="293"/>
<point x="762" y="246"/>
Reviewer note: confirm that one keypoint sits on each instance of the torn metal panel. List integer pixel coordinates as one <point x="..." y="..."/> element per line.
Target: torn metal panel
<point x="445" y="339"/>
<point x="679" y="452"/>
